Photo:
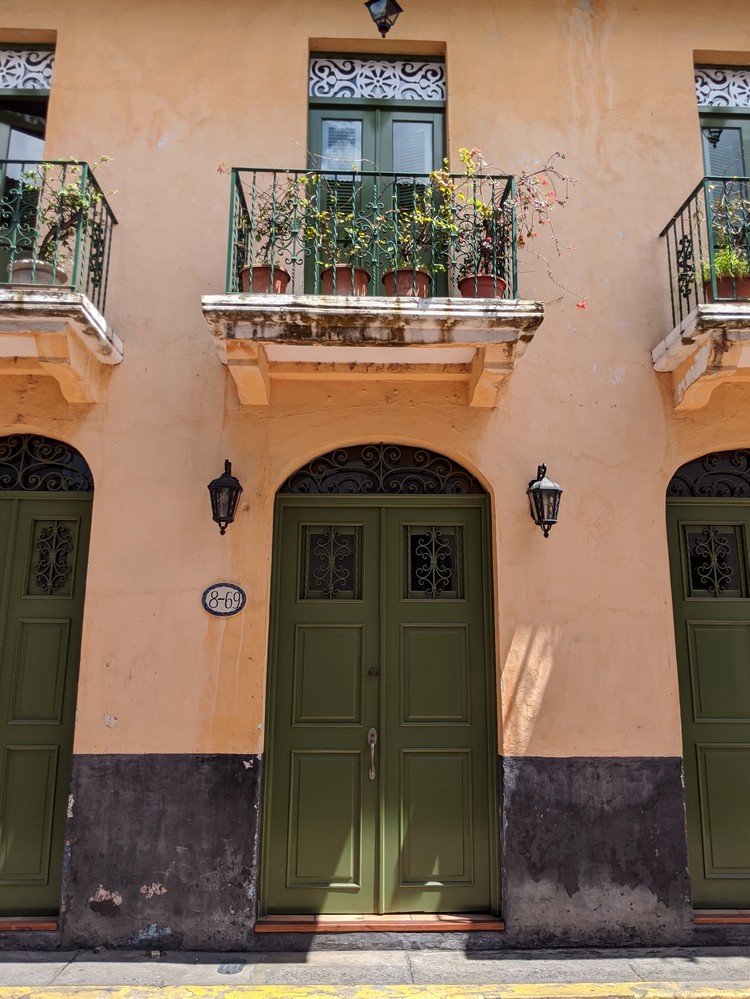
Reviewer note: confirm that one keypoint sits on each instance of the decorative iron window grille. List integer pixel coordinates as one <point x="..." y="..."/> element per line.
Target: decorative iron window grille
<point x="377" y="79"/>
<point x="32" y="463"/>
<point x="382" y="469"/>
<point x="723" y="86"/>
<point x="26" y="69"/>
<point x="719" y="475"/>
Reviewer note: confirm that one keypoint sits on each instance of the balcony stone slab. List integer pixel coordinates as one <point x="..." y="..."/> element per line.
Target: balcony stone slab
<point x="59" y="333"/>
<point x="262" y="338"/>
<point x="710" y="348"/>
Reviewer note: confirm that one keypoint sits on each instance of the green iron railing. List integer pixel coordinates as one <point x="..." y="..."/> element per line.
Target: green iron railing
<point x="708" y="245"/>
<point x="55" y="227"/>
<point x="310" y="232"/>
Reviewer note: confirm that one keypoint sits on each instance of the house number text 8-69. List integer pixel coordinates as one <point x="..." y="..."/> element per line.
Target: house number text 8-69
<point x="223" y="599"/>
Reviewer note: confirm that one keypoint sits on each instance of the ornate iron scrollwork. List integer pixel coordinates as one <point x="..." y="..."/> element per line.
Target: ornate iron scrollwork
<point x="382" y="79"/>
<point x="686" y="266"/>
<point x="720" y="474"/>
<point x="382" y="469"/>
<point x="53" y="568"/>
<point x="32" y="463"/>
<point x="332" y="551"/>
<point x="709" y="561"/>
<point x="432" y="562"/>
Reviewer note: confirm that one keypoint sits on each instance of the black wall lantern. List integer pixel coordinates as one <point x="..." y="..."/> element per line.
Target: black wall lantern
<point x="544" y="500"/>
<point x="384" y="13"/>
<point x="225" y="494"/>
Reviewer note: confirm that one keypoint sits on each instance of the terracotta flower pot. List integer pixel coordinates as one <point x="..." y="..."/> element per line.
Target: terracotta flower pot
<point x="343" y="279"/>
<point x="407" y="283"/>
<point x="259" y="282"/>
<point x="482" y="286"/>
<point x="728" y="289"/>
<point x="37" y="272"/>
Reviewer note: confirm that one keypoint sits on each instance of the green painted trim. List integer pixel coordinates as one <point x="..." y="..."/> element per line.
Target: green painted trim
<point x="492" y="676"/>
<point x="376" y="500"/>
<point x="274" y="618"/>
<point x="373" y="102"/>
<point x="18" y="93"/>
<point x="716" y="111"/>
<point x="729" y="501"/>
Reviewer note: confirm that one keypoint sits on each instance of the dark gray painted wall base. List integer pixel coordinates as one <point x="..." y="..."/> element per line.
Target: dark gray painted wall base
<point x="594" y="852"/>
<point x="162" y="852"/>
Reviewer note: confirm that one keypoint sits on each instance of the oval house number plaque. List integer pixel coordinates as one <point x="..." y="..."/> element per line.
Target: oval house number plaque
<point x="223" y="599"/>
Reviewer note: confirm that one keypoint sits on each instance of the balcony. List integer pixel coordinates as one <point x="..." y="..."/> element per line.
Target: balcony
<point x="708" y="249"/>
<point x="55" y="237"/>
<point x="369" y="275"/>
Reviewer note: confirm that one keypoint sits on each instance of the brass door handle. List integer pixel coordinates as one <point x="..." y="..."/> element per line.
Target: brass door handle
<point x="372" y="741"/>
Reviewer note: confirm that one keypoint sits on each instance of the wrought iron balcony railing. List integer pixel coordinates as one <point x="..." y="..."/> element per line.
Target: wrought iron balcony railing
<point x="708" y="245"/>
<point x="318" y="232"/>
<point x="55" y="227"/>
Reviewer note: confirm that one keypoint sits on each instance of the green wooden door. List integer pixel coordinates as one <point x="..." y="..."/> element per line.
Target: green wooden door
<point x="380" y="782"/>
<point x="43" y="549"/>
<point x="709" y="557"/>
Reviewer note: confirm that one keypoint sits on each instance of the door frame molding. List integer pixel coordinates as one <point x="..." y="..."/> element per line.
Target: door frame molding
<point x="375" y="500"/>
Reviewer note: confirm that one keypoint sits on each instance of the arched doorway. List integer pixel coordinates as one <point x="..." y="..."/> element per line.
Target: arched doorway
<point x="708" y="523"/>
<point x="46" y="491"/>
<point x="380" y="768"/>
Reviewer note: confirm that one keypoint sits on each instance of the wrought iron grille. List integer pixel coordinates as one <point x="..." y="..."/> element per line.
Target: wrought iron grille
<point x="32" y="463"/>
<point x="55" y="227"/>
<point x="721" y="474"/>
<point x="302" y="226"/>
<point x="708" y="245"/>
<point x="382" y="469"/>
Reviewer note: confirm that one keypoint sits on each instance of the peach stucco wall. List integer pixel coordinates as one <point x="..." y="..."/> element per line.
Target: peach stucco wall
<point x="584" y="633"/>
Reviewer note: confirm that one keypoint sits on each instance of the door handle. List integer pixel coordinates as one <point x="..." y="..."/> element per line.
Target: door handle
<point x="372" y="741"/>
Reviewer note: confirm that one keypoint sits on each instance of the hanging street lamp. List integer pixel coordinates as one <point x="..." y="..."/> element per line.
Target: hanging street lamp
<point x="225" y="495"/>
<point x="384" y="13"/>
<point x="544" y="500"/>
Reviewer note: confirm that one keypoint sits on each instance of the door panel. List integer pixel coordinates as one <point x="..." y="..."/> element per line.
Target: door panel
<point x="321" y="808"/>
<point x="43" y="546"/>
<point x="436" y="673"/>
<point x="397" y="648"/>
<point x="436" y="833"/>
<point x="709" y="559"/>
<point x="326" y="799"/>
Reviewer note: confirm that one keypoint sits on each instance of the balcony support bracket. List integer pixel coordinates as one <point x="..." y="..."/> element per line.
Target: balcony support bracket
<point x="710" y="348"/>
<point x="58" y="333"/>
<point x="263" y="339"/>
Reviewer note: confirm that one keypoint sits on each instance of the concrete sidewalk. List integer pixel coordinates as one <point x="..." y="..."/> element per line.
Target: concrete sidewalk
<point x="620" y="974"/>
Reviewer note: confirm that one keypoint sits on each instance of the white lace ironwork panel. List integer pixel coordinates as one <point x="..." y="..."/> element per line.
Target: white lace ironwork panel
<point x="381" y="79"/>
<point x="26" y="69"/>
<point x="723" y="87"/>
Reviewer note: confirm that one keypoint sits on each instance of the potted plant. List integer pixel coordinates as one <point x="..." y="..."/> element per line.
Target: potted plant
<point x="485" y="220"/>
<point x="55" y="215"/>
<point x="342" y="243"/>
<point x="416" y="235"/>
<point x="731" y="268"/>
<point x="729" y="214"/>
<point x="271" y="231"/>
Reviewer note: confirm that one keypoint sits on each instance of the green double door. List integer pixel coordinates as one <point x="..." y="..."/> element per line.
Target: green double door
<point x="381" y="756"/>
<point x="43" y="549"/>
<point x="710" y="556"/>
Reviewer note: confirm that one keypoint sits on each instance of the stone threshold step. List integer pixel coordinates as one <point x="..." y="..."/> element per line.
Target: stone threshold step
<point x="714" y="917"/>
<point x="37" y="924"/>
<point x="391" y="922"/>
